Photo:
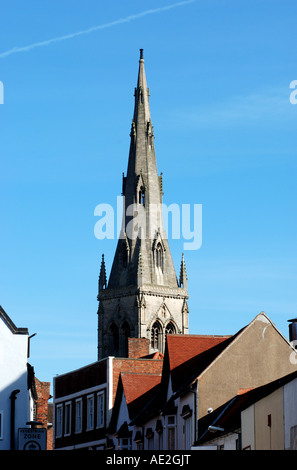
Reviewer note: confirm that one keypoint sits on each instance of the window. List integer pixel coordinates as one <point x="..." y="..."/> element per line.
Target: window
<point x="156" y="336"/>
<point x="59" y="418"/>
<point x="159" y="256"/>
<point x="67" y="426"/>
<point x="170" y="329"/>
<point x="1" y="424"/>
<point x="159" y="431"/>
<point x="90" y="412"/>
<point x="100" y="409"/>
<point x="78" y="415"/>
<point x="125" y="443"/>
<point x="187" y="433"/>
<point x="125" y="334"/>
<point x="150" y="443"/>
<point x="114" y="338"/>
<point x="150" y="438"/>
<point x="160" y="440"/>
<point x="138" y="439"/>
<point x="141" y="196"/>
<point x="124" y="255"/>
<point x="171" y="432"/>
<point x="186" y="414"/>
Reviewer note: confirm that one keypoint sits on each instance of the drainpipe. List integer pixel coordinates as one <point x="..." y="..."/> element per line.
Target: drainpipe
<point x="195" y="393"/>
<point x="12" y="418"/>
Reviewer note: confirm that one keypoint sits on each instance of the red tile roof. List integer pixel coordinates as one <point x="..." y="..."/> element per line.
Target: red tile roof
<point x="138" y="390"/>
<point x="189" y="355"/>
<point x="136" y="385"/>
<point x="181" y="348"/>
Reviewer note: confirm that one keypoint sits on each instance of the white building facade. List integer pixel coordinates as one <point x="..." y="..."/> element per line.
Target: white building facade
<point x="16" y="377"/>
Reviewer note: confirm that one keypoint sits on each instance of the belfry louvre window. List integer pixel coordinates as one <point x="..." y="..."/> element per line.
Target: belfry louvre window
<point x="141" y="196"/>
<point x="159" y="256"/>
<point x="114" y="337"/>
<point x="170" y="329"/>
<point x="124" y="255"/>
<point x="156" y="336"/>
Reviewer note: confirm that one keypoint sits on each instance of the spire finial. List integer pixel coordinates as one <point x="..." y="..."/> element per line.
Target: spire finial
<point x="102" y="276"/>
<point x="183" y="273"/>
<point x="141" y="54"/>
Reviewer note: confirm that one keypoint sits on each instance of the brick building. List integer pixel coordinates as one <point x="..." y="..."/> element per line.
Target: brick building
<point x="44" y="410"/>
<point x="84" y="398"/>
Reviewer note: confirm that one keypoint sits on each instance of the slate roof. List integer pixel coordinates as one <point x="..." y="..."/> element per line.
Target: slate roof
<point x="228" y="415"/>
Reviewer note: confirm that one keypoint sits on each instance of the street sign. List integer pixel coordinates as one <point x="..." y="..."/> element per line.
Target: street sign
<point x="32" y="439"/>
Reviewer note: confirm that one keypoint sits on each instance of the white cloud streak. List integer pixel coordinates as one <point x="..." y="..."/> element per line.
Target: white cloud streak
<point x="127" y="19"/>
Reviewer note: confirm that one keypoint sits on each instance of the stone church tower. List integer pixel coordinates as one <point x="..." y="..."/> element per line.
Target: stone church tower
<point x="143" y="298"/>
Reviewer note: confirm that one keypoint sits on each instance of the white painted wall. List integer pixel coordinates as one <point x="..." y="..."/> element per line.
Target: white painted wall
<point x="248" y="427"/>
<point x="290" y="415"/>
<point x="13" y="375"/>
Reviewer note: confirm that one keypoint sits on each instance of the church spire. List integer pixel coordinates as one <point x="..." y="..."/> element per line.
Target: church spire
<point x="142" y="191"/>
<point x="142" y="92"/>
<point x="143" y="267"/>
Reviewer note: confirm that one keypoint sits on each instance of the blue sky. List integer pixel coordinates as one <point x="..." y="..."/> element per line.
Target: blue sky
<point x="219" y="73"/>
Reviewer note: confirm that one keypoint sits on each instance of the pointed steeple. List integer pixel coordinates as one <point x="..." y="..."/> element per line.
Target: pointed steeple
<point x="143" y="280"/>
<point x="142" y="191"/>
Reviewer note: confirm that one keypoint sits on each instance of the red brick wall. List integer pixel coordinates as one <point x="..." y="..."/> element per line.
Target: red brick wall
<point x="138" y="347"/>
<point x="148" y="366"/>
<point x="42" y="413"/>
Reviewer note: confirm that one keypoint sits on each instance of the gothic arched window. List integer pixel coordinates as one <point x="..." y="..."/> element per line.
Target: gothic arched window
<point x="170" y="329"/>
<point x="124" y="255"/>
<point x="156" y="336"/>
<point x="159" y="256"/>
<point x="114" y="338"/>
<point x="125" y="334"/>
<point x="141" y="196"/>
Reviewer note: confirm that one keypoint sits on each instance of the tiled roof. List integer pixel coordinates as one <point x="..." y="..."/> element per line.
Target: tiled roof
<point x="186" y="356"/>
<point x="136" y="385"/>
<point x="181" y="348"/>
<point x="228" y="416"/>
<point x="138" y="390"/>
<point x="189" y="355"/>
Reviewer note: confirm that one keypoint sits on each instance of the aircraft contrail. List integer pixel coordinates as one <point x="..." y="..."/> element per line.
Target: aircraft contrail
<point x="127" y="19"/>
